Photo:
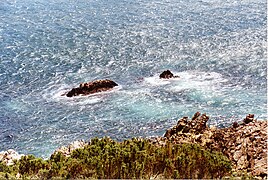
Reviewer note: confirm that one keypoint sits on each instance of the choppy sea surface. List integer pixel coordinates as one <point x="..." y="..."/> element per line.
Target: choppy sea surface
<point x="217" y="47"/>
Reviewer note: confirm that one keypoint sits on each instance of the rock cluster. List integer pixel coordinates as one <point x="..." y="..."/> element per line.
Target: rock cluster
<point x="104" y="85"/>
<point x="9" y="156"/>
<point x="167" y="75"/>
<point x="244" y="144"/>
<point x="195" y="126"/>
<point x="249" y="118"/>
<point x="92" y="87"/>
<point x="67" y="150"/>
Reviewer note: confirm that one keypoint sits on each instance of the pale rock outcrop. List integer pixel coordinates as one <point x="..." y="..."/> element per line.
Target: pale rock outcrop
<point x="9" y="156"/>
<point x="67" y="150"/>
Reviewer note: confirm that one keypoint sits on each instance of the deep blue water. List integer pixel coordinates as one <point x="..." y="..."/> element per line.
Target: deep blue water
<point x="217" y="47"/>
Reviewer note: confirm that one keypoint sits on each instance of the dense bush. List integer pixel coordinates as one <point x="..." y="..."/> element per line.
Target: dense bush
<point x="131" y="159"/>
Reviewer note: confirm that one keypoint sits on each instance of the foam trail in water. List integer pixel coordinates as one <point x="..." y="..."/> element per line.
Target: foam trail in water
<point x="57" y="93"/>
<point x="188" y="80"/>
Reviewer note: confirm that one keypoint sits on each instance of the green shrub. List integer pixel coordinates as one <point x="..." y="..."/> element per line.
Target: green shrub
<point x="4" y="167"/>
<point x="131" y="159"/>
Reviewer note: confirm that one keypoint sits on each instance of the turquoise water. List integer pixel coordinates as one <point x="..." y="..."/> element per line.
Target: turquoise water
<point x="217" y="47"/>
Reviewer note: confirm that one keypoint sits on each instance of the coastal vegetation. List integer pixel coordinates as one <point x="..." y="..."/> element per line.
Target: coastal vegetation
<point x="131" y="159"/>
<point x="188" y="150"/>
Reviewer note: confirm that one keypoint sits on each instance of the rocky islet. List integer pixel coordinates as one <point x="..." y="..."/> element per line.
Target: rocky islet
<point x="104" y="85"/>
<point x="92" y="87"/>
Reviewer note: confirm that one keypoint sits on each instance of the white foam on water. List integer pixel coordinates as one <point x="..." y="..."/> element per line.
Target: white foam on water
<point x="198" y="81"/>
<point x="205" y="87"/>
<point x="16" y="105"/>
<point x="156" y="81"/>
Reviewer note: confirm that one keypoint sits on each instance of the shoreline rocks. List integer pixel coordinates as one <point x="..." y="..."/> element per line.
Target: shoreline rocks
<point x="67" y="150"/>
<point x="9" y="156"/>
<point x="244" y="144"/>
<point x="92" y="87"/>
<point x="195" y="126"/>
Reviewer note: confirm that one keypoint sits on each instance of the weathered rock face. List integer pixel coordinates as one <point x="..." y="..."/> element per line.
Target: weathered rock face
<point x="195" y="126"/>
<point x="245" y="144"/>
<point x="67" y="150"/>
<point x="9" y="156"/>
<point x="249" y="118"/>
<point x="167" y="75"/>
<point x="92" y="87"/>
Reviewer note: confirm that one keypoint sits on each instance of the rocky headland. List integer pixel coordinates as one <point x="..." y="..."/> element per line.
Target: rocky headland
<point x="244" y="143"/>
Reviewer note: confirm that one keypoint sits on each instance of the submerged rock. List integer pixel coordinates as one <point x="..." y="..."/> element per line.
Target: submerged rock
<point x="167" y="75"/>
<point x="92" y="87"/>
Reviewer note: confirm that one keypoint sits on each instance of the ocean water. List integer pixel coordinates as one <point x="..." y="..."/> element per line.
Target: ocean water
<point x="217" y="47"/>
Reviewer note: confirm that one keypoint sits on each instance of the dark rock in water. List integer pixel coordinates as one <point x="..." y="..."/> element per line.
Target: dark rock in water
<point x="167" y="75"/>
<point x="92" y="87"/>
